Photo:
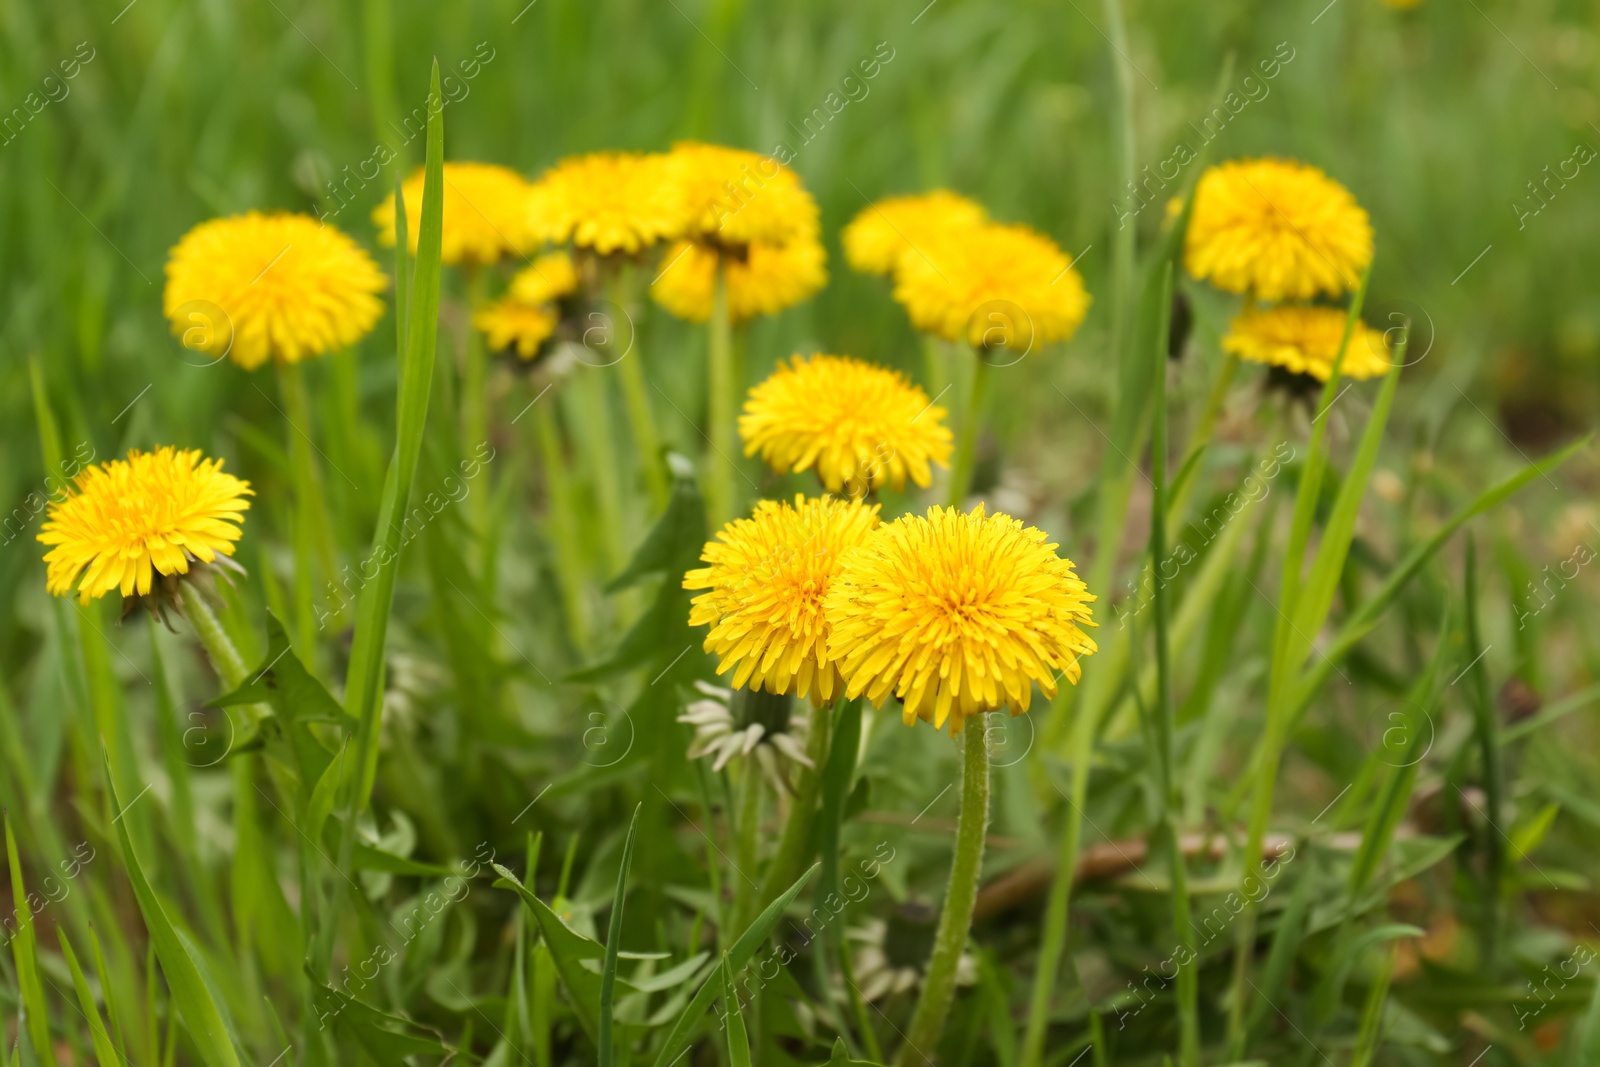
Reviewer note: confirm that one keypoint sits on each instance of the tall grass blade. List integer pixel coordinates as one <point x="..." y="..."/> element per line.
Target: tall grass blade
<point x="25" y="954"/>
<point x="608" y="970"/>
<point x="104" y="1052"/>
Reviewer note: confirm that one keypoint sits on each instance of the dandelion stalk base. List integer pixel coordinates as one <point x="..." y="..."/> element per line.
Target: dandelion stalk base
<point x="955" y="920"/>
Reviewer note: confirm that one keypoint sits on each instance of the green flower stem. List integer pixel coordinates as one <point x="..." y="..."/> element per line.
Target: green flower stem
<point x="749" y="829"/>
<point x="225" y="658"/>
<point x="966" y="446"/>
<point x="955" y="920"/>
<point x="313" y="532"/>
<point x="640" y="414"/>
<point x="592" y="426"/>
<point x="562" y="514"/>
<point x="721" y="440"/>
<point x="935" y="372"/>
<point x="792" y="852"/>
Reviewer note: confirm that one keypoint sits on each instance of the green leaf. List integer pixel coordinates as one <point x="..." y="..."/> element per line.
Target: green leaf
<point x="568" y="950"/>
<point x="733" y="1018"/>
<point x="673" y="546"/>
<point x="684" y="1029"/>
<point x="1329" y="990"/>
<point x="200" y="1014"/>
<point x="363" y="681"/>
<point x="841" y="1057"/>
<point x="1586" y="1039"/>
<point x="25" y="952"/>
<point x="608" y="974"/>
<point x="1364" y="618"/>
<point x="388" y="1039"/>
<point x="104" y="1052"/>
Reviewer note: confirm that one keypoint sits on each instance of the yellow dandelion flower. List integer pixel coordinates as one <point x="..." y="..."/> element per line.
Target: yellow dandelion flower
<point x="485" y="213"/>
<point x="730" y="197"/>
<point x="607" y="201"/>
<point x="957" y="614"/>
<point x="545" y="280"/>
<point x="858" y="425"/>
<point x="1305" y="340"/>
<point x="992" y="285"/>
<point x="764" y="281"/>
<point x="1276" y="230"/>
<point x="511" y="325"/>
<point x="767" y="580"/>
<point x="128" y="520"/>
<point x="257" y="286"/>
<point x="877" y="238"/>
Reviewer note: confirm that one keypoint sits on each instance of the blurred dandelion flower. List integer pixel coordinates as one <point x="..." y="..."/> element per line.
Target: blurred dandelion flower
<point x="957" y="614"/>
<point x="992" y="285"/>
<point x="730" y="197"/>
<point x="875" y="239"/>
<point x="126" y="521"/>
<point x="1275" y="229"/>
<point x="762" y="279"/>
<point x="1305" y="340"/>
<point x="289" y="287"/>
<point x="526" y="317"/>
<point x="858" y="425"/>
<point x="485" y="213"/>
<point x="772" y="728"/>
<point x="605" y="201"/>
<point x="768" y="577"/>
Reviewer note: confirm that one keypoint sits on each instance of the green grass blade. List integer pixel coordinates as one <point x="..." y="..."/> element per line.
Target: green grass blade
<point x="1487" y="728"/>
<point x="733" y="1018"/>
<point x="189" y="993"/>
<point x="104" y="1052"/>
<point x="116" y="1008"/>
<point x="1365" y="617"/>
<point x="568" y="949"/>
<point x="608" y="971"/>
<point x="25" y="953"/>
<point x="363" y="682"/>
<point x="683" y="1030"/>
<point x="1372" y="1015"/>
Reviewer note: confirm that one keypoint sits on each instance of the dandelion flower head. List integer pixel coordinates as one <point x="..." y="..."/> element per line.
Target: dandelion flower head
<point x="126" y="521"/>
<point x="858" y="425"/>
<point x="1275" y="229"/>
<point x="484" y="214"/>
<point x="765" y="583"/>
<point x="957" y="614"/>
<point x="764" y="280"/>
<point x="605" y="201"/>
<point x="1305" y="340"/>
<point x="875" y="240"/>
<point x="992" y="286"/>
<point x="279" y="286"/>
<point x="730" y="197"/>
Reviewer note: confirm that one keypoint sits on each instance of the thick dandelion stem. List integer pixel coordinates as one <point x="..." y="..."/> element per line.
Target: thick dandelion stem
<point x="966" y="446"/>
<point x="749" y="830"/>
<point x="786" y="865"/>
<point x="955" y="920"/>
<point x="225" y="658"/>
<point x="562" y="515"/>
<point x="721" y="440"/>
<point x="640" y="414"/>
